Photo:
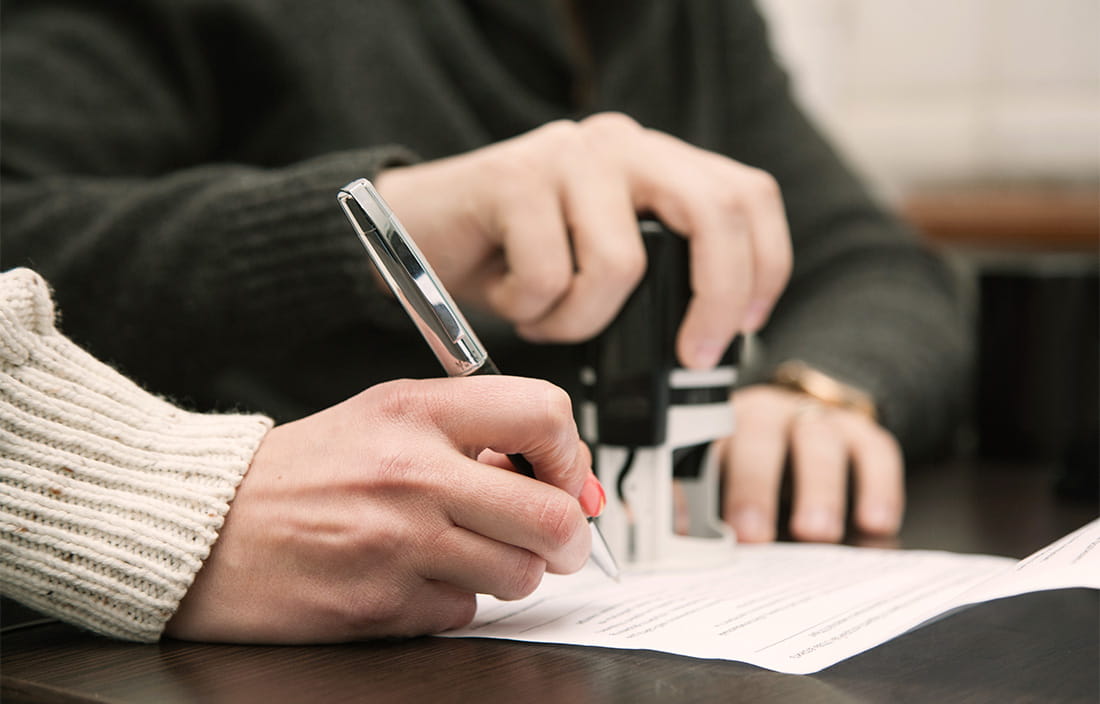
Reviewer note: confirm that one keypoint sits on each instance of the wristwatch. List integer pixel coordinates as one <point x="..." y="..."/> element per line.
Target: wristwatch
<point x="799" y="376"/>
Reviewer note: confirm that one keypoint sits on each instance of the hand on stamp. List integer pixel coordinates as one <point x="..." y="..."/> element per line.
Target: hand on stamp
<point x="542" y="229"/>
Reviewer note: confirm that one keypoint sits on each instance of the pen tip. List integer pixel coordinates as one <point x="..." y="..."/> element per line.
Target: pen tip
<point x="601" y="553"/>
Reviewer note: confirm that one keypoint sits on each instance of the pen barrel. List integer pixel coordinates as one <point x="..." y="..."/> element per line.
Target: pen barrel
<point x="407" y="273"/>
<point x="487" y="368"/>
<point x="522" y="465"/>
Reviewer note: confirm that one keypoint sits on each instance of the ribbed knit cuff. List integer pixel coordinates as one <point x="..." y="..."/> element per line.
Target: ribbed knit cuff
<point x="110" y="497"/>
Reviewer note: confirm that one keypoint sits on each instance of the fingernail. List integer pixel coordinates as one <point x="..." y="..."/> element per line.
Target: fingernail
<point x="530" y="334"/>
<point x="708" y="353"/>
<point x="593" y="499"/>
<point x="749" y="523"/>
<point x="818" y="524"/>
<point x="879" y="519"/>
<point x="755" y="316"/>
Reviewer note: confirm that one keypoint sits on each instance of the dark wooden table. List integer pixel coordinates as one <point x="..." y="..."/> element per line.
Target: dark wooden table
<point x="1039" y="647"/>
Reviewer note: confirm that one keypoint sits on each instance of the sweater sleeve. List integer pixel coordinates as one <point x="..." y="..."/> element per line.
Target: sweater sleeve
<point x="132" y="181"/>
<point x="867" y="302"/>
<point x="110" y="497"/>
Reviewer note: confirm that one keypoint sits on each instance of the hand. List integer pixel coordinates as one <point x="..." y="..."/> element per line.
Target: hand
<point x="376" y="518"/>
<point x="821" y="442"/>
<point x="542" y="229"/>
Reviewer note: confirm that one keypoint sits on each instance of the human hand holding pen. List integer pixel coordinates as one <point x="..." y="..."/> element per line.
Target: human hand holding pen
<point x="410" y="277"/>
<point x="377" y="518"/>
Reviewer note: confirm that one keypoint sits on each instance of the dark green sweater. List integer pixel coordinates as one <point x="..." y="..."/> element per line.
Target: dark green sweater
<point x="171" y="167"/>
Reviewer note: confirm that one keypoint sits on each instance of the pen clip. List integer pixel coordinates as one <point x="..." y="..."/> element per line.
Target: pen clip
<point x="412" y="280"/>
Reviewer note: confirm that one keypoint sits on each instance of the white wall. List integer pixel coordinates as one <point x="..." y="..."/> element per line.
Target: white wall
<point x="929" y="91"/>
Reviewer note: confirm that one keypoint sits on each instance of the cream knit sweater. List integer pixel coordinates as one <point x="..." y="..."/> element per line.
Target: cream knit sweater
<point x="110" y="497"/>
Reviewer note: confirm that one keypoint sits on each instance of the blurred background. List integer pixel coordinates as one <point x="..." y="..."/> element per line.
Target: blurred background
<point x="980" y="121"/>
<point x="919" y="93"/>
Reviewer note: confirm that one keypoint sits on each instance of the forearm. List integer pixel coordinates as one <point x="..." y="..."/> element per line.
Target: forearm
<point x="125" y="137"/>
<point x="869" y="304"/>
<point x="889" y="331"/>
<point x="872" y="306"/>
<point x="111" y="497"/>
<point x="866" y="303"/>
<point x="213" y="263"/>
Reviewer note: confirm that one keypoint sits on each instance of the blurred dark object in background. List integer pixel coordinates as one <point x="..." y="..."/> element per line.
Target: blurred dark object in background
<point x="1037" y="375"/>
<point x="1032" y="253"/>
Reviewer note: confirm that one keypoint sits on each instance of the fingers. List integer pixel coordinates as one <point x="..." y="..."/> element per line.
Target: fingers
<point x="825" y="443"/>
<point x="772" y="251"/>
<point x="539" y="265"/>
<point x="820" y="459"/>
<point x="373" y="517"/>
<point x="514" y="512"/>
<point x="721" y="282"/>
<point x="552" y="243"/>
<point x="608" y="251"/>
<point x="734" y="220"/>
<point x="755" y="458"/>
<point x="505" y="414"/>
<point x="592" y="498"/>
<point x="500" y="570"/>
<point x="879" y="475"/>
<point x="472" y="563"/>
<point x="827" y="447"/>
<point x="505" y="549"/>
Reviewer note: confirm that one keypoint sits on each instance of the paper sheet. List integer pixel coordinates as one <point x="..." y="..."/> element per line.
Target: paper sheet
<point x="794" y="608"/>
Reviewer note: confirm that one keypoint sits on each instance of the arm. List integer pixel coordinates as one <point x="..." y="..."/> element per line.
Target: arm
<point x="111" y="497"/>
<point x="867" y="304"/>
<point x="123" y="135"/>
<point x="380" y="516"/>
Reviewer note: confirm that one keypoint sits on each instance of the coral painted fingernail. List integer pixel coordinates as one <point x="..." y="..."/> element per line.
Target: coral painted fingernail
<point x="593" y="499"/>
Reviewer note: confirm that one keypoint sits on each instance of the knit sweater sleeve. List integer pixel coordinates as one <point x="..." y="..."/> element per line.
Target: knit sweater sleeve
<point x="110" y="497"/>
<point x="867" y="302"/>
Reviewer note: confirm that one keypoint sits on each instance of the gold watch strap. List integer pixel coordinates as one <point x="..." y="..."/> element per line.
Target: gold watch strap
<point x="799" y="376"/>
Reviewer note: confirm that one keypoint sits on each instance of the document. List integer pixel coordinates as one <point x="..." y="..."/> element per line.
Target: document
<point x="794" y="608"/>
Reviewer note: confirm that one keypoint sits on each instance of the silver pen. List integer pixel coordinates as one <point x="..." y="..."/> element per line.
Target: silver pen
<point x="432" y="310"/>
